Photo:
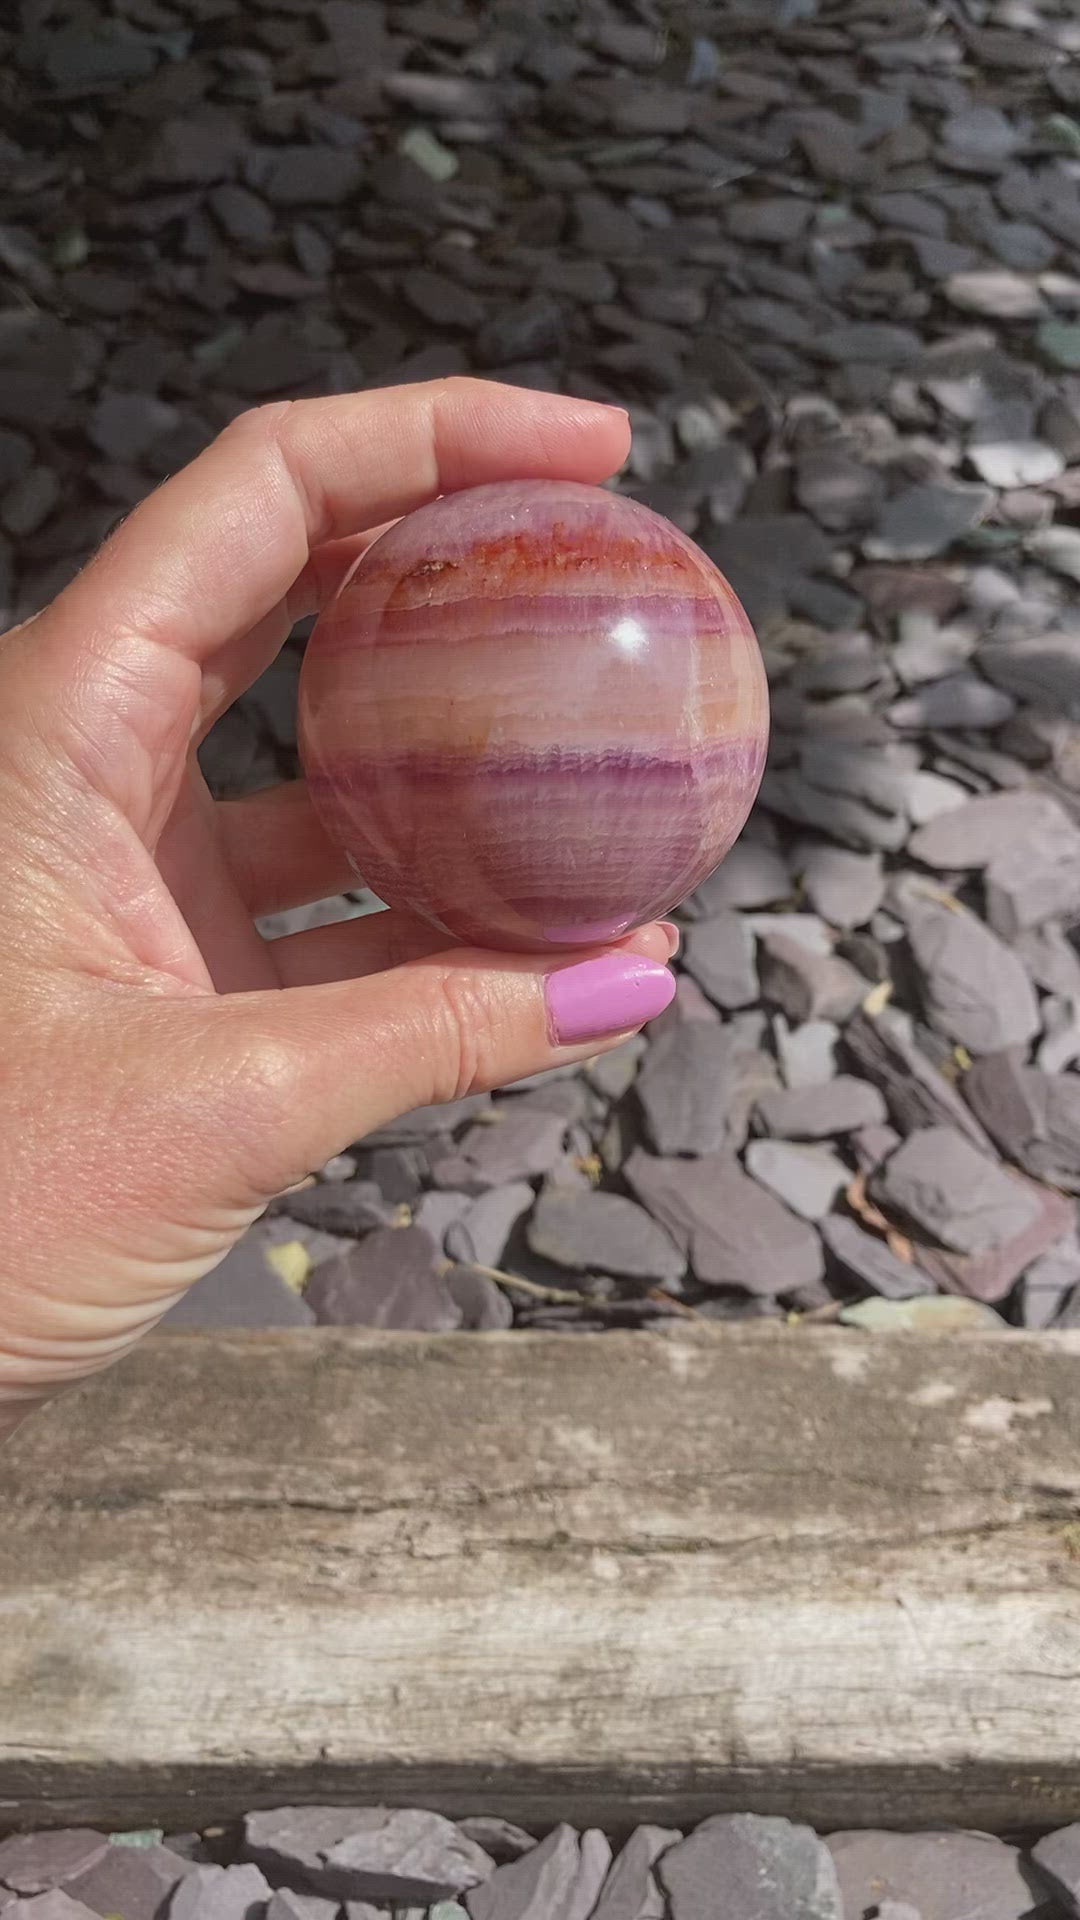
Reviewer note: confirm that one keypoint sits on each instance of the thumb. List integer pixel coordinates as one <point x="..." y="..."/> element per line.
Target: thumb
<point x="328" y="1064"/>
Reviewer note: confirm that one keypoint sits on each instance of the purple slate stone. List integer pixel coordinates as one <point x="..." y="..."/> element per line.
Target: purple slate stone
<point x="135" y="1882"/>
<point x="389" y="1279"/>
<point x="287" y="1905"/>
<point x="630" y="1891"/>
<point x="221" y="1893"/>
<point x="562" y="1876"/>
<point x="54" y="1904"/>
<point x="535" y="714"/>
<point x="393" y="1854"/>
<point x="941" y="1873"/>
<point x="34" y="1862"/>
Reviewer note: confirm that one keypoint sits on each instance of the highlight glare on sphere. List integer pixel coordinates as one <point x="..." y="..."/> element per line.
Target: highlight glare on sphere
<point x="535" y="714"/>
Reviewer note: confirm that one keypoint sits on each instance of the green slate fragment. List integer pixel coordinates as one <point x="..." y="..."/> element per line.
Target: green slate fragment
<point x="928" y="1313"/>
<point x="138" y="1837"/>
<point x="1059" y="131"/>
<point x="1059" y="341"/>
<point x="71" y="248"/>
<point x="429" y="154"/>
<point x="989" y="539"/>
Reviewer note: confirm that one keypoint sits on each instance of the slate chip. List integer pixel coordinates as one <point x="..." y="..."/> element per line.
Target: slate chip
<point x="845" y="888"/>
<point x="612" y="1074"/>
<point x="940" y="1874"/>
<point x="603" y="1233"/>
<point x="442" y="300"/>
<point x="481" y="1233"/>
<point x="945" y="1188"/>
<point x="54" y="1904"/>
<point x="287" y="1905"/>
<point x="841" y="1105"/>
<point x="916" y="1094"/>
<point x="865" y="1261"/>
<point x="1057" y="1858"/>
<point x="839" y="490"/>
<point x="484" y="1306"/>
<point x="990" y="1276"/>
<point x="958" y="700"/>
<point x="389" y="1279"/>
<point x="720" y="957"/>
<point x="808" y="986"/>
<point x="926" y="519"/>
<point x="436" y="1211"/>
<point x="340" y="1206"/>
<point x="1034" y="1117"/>
<point x="736" y="1234"/>
<point x="221" y="1893"/>
<point x="514" y="1143"/>
<point x="975" y="988"/>
<point x="685" y="1087"/>
<point x="124" y="426"/>
<point x="806" y="1179"/>
<point x="1027" y="885"/>
<point x="1050" y="1282"/>
<point x="871" y="342"/>
<point x="752" y="1865"/>
<point x="976" y="833"/>
<point x="1044" y="670"/>
<point x="752" y="875"/>
<point x="34" y="1862"/>
<point x="503" y="1839"/>
<point x="291" y="1842"/>
<point x="853" y="821"/>
<point x="390" y="1854"/>
<point x="558" y="1880"/>
<point x="135" y="1882"/>
<point x="806" y="1052"/>
<point x="297" y="176"/>
<point x="631" y="1890"/>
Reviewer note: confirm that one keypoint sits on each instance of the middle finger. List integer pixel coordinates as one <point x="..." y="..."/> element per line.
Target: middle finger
<point x="351" y="949"/>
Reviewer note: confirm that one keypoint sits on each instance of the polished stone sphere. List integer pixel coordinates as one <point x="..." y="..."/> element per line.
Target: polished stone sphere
<point x="535" y="714"/>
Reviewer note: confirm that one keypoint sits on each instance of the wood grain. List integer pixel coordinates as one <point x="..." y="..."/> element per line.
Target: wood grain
<point x="612" y="1578"/>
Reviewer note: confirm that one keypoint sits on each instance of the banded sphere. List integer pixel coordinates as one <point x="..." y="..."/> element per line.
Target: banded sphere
<point x="535" y="714"/>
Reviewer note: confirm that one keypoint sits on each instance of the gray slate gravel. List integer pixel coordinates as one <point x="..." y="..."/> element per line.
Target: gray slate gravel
<point x="829" y="260"/>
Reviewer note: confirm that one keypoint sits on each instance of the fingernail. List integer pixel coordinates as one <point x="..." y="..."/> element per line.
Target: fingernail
<point x="674" y="937"/>
<point x="609" y="995"/>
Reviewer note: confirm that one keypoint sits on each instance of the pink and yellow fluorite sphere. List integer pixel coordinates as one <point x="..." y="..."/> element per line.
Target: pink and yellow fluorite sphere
<point x="535" y="715"/>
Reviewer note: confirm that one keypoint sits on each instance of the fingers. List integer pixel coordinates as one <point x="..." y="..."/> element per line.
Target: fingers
<point x="218" y="548"/>
<point x="237" y="663"/>
<point x="279" y="857"/>
<point x="352" y="949"/>
<point x="309" y="1071"/>
<point x="277" y="852"/>
<point x="326" y="569"/>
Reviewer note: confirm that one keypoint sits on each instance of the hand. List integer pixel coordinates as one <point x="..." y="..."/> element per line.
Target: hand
<point x="165" y="1070"/>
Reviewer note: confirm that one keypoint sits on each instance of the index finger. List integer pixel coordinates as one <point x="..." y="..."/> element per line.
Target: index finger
<point x="216" y="549"/>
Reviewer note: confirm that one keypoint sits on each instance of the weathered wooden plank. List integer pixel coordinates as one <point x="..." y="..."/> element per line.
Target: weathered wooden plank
<point x="616" y="1578"/>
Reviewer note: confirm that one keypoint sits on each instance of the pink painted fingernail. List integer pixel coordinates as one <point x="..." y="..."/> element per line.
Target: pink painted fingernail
<point x="609" y="995"/>
<point x="674" y="937"/>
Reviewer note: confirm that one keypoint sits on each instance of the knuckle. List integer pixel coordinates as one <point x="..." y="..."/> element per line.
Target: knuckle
<point x="458" y="386"/>
<point x="264" y="422"/>
<point x="264" y="1080"/>
<point x="467" y="1051"/>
